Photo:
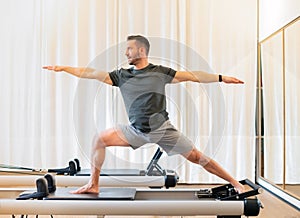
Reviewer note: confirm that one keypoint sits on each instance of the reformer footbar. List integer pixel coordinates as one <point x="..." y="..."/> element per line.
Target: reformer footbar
<point x="154" y="168"/>
<point x="222" y="201"/>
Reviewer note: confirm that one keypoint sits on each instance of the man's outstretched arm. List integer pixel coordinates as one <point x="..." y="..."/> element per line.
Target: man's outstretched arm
<point x="203" y="77"/>
<point x="81" y="72"/>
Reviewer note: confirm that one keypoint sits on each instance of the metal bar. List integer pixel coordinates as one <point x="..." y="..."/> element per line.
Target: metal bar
<point x="290" y="198"/>
<point x="258" y="165"/>
<point x="284" y="109"/>
<point x="279" y="30"/>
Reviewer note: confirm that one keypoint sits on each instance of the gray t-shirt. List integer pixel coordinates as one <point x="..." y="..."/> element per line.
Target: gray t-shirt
<point x="143" y="92"/>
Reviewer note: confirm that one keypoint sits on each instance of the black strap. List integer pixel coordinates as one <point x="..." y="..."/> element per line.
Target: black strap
<point x="220" y="78"/>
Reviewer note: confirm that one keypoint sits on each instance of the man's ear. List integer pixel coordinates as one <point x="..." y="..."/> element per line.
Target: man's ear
<point x="142" y="51"/>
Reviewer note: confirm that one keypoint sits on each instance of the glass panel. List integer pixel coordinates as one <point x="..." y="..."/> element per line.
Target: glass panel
<point x="292" y="72"/>
<point x="272" y="83"/>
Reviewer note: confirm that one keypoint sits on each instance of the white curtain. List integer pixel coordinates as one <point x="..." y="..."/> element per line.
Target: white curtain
<point x="281" y="102"/>
<point x="49" y="118"/>
<point x="273" y="107"/>
<point x="293" y="103"/>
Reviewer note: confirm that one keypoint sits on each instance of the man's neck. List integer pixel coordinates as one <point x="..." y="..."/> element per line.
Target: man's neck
<point x="142" y="64"/>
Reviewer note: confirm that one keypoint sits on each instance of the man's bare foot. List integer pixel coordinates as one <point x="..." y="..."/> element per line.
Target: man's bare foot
<point x="87" y="189"/>
<point x="239" y="187"/>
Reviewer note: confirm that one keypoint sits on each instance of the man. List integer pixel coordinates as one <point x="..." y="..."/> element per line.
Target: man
<point x="143" y="91"/>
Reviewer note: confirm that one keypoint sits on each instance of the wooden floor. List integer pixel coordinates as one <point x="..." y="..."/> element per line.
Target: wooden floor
<point x="273" y="208"/>
<point x="293" y="189"/>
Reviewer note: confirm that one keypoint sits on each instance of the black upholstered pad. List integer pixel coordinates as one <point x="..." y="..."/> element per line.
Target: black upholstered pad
<point x="104" y="194"/>
<point x="112" y="172"/>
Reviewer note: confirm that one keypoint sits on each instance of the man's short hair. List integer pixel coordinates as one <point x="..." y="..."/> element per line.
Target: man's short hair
<point x="141" y="40"/>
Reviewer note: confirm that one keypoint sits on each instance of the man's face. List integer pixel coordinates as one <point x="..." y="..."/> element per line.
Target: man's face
<point x="132" y="52"/>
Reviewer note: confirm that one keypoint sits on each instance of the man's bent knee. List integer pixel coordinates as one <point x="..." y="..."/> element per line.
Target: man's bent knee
<point x="110" y="137"/>
<point x="193" y="155"/>
<point x="197" y="157"/>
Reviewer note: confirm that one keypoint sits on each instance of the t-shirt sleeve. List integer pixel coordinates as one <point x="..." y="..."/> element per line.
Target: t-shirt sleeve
<point x="114" y="76"/>
<point x="169" y="73"/>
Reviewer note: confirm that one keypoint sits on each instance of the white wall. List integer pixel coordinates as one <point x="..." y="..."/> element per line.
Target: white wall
<point x="274" y="14"/>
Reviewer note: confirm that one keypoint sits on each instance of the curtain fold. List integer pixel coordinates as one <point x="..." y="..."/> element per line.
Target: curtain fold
<point x="50" y="118"/>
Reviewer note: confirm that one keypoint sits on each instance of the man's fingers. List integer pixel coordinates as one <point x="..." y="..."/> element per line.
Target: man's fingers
<point x="48" y="67"/>
<point x="239" y="81"/>
<point x="233" y="80"/>
<point x="54" y="68"/>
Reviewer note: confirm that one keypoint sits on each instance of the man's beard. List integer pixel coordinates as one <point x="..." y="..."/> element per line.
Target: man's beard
<point x="134" y="60"/>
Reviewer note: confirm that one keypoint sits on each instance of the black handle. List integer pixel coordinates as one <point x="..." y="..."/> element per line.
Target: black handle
<point x="227" y="192"/>
<point x="251" y="184"/>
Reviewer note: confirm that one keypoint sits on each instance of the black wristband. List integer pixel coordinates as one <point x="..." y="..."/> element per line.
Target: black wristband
<point x="220" y="78"/>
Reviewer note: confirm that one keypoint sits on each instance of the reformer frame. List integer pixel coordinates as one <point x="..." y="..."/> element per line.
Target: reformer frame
<point x="222" y="201"/>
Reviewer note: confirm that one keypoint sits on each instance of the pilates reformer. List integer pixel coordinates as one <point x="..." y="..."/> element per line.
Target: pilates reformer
<point x="154" y="175"/>
<point x="222" y="201"/>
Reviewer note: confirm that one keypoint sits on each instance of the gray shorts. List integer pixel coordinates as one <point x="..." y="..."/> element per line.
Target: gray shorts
<point x="166" y="136"/>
